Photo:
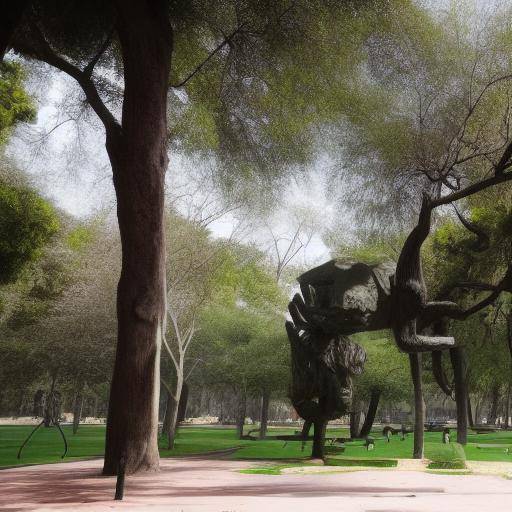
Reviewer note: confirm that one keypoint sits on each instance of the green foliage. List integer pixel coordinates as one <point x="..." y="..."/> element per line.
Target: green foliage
<point x="27" y="222"/>
<point x="15" y="104"/>
<point x="386" y="369"/>
<point x="80" y="237"/>
<point x="447" y="456"/>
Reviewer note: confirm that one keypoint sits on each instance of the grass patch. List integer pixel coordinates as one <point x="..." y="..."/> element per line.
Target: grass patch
<point x="447" y="456"/>
<point x="374" y="463"/>
<point x="46" y="446"/>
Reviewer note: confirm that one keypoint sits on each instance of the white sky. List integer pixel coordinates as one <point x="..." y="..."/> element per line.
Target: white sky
<point x="72" y="168"/>
<point x="81" y="183"/>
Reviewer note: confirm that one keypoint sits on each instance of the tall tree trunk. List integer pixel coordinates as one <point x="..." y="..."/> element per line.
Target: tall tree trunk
<point x="507" y="407"/>
<point x="47" y="420"/>
<point x="182" y="407"/>
<point x="419" y="405"/>
<point x="319" y="439"/>
<point x="356" y="420"/>
<point x="458" y="360"/>
<point x="372" y="411"/>
<point x="470" y="413"/>
<point x="265" y="402"/>
<point x="138" y="153"/>
<point x="240" y="419"/>
<point x="167" y="415"/>
<point x="493" y="408"/>
<point x="77" y="409"/>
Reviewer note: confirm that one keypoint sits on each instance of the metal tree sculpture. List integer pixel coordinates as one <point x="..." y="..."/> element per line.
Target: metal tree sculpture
<point x="47" y="405"/>
<point x="322" y="370"/>
<point x="339" y="299"/>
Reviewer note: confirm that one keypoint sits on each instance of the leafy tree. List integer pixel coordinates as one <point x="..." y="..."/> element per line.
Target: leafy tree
<point x="221" y="60"/>
<point x="27" y="222"/>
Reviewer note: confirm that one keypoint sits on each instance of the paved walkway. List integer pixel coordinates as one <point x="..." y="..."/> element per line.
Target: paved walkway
<point x="185" y="485"/>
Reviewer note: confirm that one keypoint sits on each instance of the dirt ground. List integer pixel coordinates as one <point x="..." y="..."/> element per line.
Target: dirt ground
<point x="194" y="484"/>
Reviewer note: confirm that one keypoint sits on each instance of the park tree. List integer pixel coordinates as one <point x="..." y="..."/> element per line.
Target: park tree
<point x="220" y="62"/>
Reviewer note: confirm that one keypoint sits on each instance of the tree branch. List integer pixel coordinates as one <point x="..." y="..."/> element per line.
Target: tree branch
<point x="216" y="50"/>
<point x="43" y="51"/>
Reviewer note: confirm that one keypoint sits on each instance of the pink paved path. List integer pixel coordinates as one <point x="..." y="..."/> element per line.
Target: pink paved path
<point x="214" y="485"/>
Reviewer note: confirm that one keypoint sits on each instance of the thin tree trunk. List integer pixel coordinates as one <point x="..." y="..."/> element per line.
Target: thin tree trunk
<point x="458" y="361"/>
<point x="47" y="420"/>
<point x="77" y="409"/>
<point x="240" y="420"/>
<point x="306" y="428"/>
<point x="493" y="409"/>
<point x="372" y="411"/>
<point x="419" y="405"/>
<point x="166" y="424"/>
<point x="319" y="439"/>
<point x="507" y="408"/>
<point x="182" y="407"/>
<point x="138" y="153"/>
<point x="470" y="413"/>
<point x="356" y="417"/>
<point x="265" y="402"/>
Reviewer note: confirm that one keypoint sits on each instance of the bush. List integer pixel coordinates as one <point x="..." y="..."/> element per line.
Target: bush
<point x="447" y="456"/>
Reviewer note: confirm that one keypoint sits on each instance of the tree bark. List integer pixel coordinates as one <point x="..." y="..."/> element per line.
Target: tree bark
<point x="77" y="409"/>
<point x="471" y="422"/>
<point x="139" y="160"/>
<point x="458" y="361"/>
<point x="173" y="419"/>
<point x="507" y="408"/>
<point x="265" y="402"/>
<point x="167" y="415"/>
<point x="182" y="407"/>
<point x="319" y="439"/>
<point x="241" y="410"/>
<point x="419" y="405"/>
<point x="493" y="409"/>
<point x="372" y="411"/>
<point x="356" y="419"/>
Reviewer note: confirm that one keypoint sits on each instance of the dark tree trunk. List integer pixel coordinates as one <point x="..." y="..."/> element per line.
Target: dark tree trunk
<point x="319" y="439"/>
<point x="372" y="411"/>
<point x="12" y="13"/>
<point x="138" y="154"/>
<point x="470" y="413"/>
<point x="306" y="428"/>
<point x="77" y="409"/>
<point x="166" y="424"/>
<point x="240" y="419"/>
<point x="493" y="409"/>
<point x="47" y="420"/>
<point x="419" y="405"/>
<point x="265" y="402"/>
<point x="182" y="407"/>
<point x="356" y="420"/>
<point x="458" y="360"/>
<point x="507" y="408"/>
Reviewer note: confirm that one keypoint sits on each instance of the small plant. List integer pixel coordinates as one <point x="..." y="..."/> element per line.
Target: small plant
<point x="447" y="456"/>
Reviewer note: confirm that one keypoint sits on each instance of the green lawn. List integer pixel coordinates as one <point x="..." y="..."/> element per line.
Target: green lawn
<point x="46" y="445"/>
